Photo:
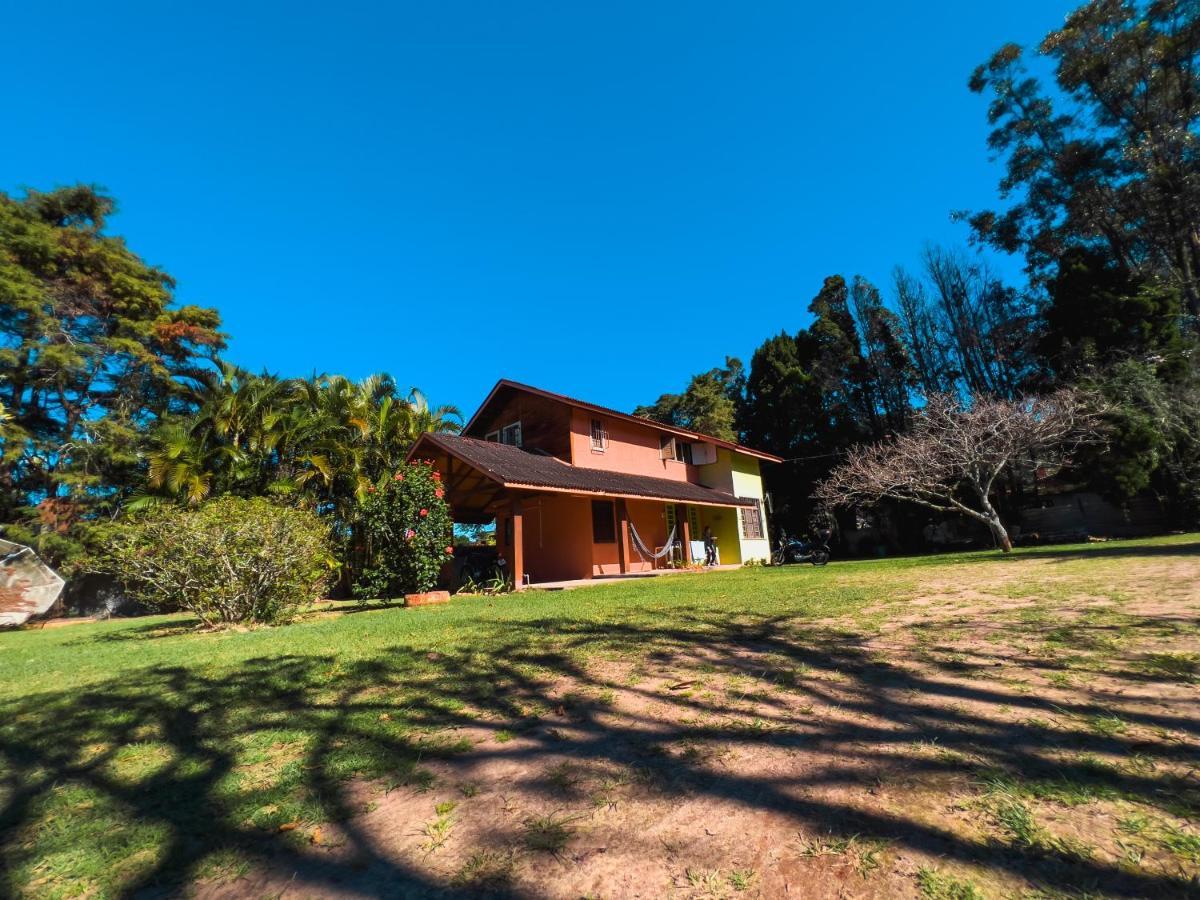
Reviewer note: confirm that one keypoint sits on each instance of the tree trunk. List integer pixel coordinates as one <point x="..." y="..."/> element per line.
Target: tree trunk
<point x="1000" y="534"/>
<point x="993" y="521"/>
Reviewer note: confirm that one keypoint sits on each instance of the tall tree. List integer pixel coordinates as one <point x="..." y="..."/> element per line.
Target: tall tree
<point x="1107" y="159"/>
<point x="92" y="347"/>
<point x="887" y="360"/>
<point x="839" y="366"/>
<point x="988" y="327"/>
<point x="923" y="336"/>
<point x="1100" y="311"/>
<point x="784" y="412"/>
<point x="708" y="404"/>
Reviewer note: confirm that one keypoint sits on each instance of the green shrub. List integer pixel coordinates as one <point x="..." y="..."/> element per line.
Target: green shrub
<point x="230" y="560"/>
<point x="407" y="533"/>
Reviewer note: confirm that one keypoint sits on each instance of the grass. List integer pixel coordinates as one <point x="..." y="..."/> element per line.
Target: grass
<point x="936" y="885"/>
<point x="550" y="834"/>
<point x="1175" y="666"/>
<point x="140" y="755"/>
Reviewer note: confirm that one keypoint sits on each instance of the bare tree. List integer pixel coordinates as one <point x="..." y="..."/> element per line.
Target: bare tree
<point x="951" y="457"/>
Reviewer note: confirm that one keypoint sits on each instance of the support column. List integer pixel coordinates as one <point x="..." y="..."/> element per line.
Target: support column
<point x="518" y="547"/>
<point x="685" y="528"/>
<point x="623" y="536"/>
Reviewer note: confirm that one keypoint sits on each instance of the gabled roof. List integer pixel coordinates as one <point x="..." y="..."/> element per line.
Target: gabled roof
<point x="512" y="467"/>
<point x="605" y="411"/>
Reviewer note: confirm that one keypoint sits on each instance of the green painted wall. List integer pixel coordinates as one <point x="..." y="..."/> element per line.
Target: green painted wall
<point x="739" y="475"/>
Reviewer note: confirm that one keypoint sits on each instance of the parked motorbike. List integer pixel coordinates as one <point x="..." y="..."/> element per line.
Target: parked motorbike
<point x="793" y="550"/>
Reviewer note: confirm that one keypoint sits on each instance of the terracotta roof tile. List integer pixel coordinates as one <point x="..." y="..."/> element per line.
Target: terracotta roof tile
<point x="514" y="467"/>
<point x="616" y="413"/>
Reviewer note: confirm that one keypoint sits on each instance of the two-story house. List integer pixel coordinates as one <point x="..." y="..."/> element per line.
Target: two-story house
<point x="581" y="491"/>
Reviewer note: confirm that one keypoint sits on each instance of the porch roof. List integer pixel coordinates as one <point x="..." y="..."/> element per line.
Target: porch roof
<point x="511" y="467"/>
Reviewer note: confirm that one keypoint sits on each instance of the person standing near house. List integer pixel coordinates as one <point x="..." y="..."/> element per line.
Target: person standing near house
<point x="710" y="547"/>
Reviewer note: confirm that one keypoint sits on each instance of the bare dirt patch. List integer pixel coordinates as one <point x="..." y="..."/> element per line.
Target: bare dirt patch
<point x="1013" y="727"/>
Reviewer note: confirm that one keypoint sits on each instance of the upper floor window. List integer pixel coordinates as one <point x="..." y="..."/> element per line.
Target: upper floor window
<point x="509" y="434"/>
<point x="599" y="435"/>
<point x="752" y="527"/>
<point x="671" y="447"/>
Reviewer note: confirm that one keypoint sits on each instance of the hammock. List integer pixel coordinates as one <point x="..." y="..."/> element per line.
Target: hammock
<point x="639" y="546"/>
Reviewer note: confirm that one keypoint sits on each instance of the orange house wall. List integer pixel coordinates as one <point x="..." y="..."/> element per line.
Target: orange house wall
<point x="558" y="538"/>
<point x="649" y="518"/>
<point x="631" y="448"/>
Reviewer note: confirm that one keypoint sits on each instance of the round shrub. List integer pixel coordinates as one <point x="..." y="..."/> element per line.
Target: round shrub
<point x="232" y="560"/>
<point x="407" y="533"/>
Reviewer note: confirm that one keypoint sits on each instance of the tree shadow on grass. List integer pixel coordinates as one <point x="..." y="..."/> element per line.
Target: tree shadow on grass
<point x="175" y="766"/>
<point x="1116" y="549"/>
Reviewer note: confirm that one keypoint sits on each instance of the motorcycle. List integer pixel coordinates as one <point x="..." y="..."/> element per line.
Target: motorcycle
<point x="793" y="550"/>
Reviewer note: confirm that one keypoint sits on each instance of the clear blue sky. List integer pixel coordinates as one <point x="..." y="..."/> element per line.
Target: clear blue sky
<point x="597" y="198"/>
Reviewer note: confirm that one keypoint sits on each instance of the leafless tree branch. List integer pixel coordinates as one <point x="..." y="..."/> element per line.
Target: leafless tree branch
<point x="950" y="459"/>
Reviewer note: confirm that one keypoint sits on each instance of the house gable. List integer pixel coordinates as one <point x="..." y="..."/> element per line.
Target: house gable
<point x="545" y="422"/>
<point x="510" y="401"/>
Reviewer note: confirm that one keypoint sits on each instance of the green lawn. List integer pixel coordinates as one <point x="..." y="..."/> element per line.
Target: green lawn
<point x="142" y="756"/>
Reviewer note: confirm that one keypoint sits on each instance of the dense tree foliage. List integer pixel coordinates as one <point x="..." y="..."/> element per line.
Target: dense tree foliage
<point x="92" y="350"/>
<point x="1102" y="192"/>
<point x="708" y="404"/>
<point x="1153" y="437"/>
<point x="1100" y="311"/>
<point x="115" y="398"/>
<point x="1106" y="158"/>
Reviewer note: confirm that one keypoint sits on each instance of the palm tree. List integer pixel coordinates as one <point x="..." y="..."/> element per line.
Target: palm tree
<point x="359" y="433"/>
<point x="422" y="419"/>
<point x="326" y="439"/>
<point x="229" y="445"/>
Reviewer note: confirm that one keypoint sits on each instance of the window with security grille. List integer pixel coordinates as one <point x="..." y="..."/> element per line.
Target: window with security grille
<point x="599" y="435"/>
<point x="752" y="528"/>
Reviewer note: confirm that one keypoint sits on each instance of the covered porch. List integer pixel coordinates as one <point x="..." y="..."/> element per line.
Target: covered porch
<point x="559" y="523"/>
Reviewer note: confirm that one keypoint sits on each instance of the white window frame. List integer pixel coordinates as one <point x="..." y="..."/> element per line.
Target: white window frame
<point x="493" y="436"/>
<point x="509" y="429"/>
<point x="671" y="447"/>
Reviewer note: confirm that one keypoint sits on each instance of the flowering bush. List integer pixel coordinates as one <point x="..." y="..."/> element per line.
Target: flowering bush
<point x="407" y="533"/>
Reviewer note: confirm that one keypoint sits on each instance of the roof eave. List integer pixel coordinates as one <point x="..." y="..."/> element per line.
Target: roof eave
<point x="604" y="410"/>
<point x="619" y="495"/>
<point x="431" y="438"/>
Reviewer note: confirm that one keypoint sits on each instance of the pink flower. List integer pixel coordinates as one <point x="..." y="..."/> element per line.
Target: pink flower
<point x="450" y="550"/>
<point x="424" y="513"/>
<point x="439" y="493"/>
<point x="437" y="476"/>
<point x="399" y="476"/>
<point x="409" y="535"/>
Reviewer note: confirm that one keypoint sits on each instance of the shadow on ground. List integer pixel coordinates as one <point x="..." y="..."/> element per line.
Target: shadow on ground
<point x="380" y="718"/>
